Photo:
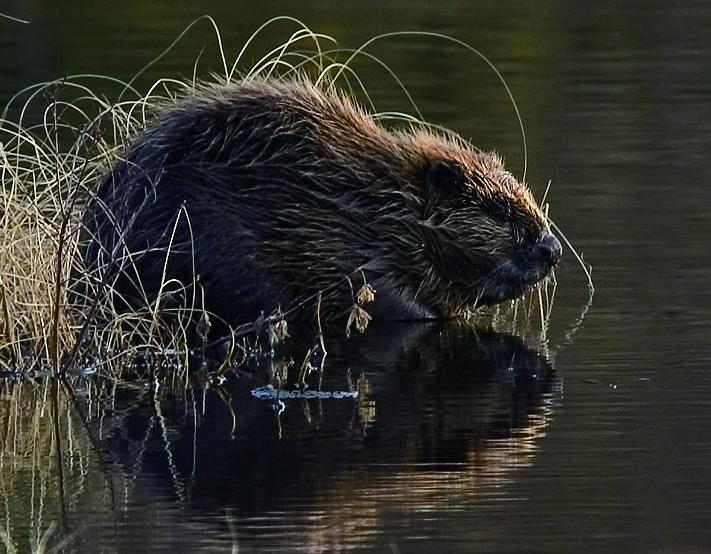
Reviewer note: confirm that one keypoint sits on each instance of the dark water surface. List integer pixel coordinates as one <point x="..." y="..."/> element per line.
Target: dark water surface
<point x="460" y="440"/>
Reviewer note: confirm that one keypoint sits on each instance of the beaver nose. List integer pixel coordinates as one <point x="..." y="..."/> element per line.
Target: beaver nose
<point x="548" y="249"/>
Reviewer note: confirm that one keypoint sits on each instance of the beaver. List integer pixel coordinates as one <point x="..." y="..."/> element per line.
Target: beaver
<point x="267" y="191"/>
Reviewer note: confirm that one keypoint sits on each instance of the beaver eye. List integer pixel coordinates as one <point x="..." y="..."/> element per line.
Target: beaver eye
<point x="499" y="211"/>
<point x="444" y="176"/>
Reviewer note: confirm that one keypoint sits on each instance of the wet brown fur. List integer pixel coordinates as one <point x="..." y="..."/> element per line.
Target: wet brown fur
<point x="288" y="187"/>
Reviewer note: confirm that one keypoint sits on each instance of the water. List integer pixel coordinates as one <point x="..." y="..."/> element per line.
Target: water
<point x="459" y="441"/>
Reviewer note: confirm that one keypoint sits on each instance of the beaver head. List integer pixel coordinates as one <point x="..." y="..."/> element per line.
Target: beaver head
<point x="482" y="237"/>
<point x="271" y="191"/>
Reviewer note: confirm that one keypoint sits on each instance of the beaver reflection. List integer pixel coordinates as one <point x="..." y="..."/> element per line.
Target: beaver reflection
<point x="446" y="412"/>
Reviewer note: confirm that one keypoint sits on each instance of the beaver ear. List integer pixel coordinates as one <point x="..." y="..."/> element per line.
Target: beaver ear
<point x="444" y="176"/>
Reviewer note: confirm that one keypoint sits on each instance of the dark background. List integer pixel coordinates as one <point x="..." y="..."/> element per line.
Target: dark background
<point x="616" y="100"/>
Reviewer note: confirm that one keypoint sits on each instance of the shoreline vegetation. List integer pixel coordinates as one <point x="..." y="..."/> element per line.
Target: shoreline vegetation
<point x="49" y="166"/>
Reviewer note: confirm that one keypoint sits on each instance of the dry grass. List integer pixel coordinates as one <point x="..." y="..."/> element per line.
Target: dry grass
<point x="46" y="171"/>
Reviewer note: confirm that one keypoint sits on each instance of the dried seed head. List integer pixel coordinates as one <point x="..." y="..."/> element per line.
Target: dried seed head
<point x="360" y="318"/>
<point x="365" y="294"/>
<point x="203" y="326"/>
<point x="281" y="330"/>
<point x="278" y="332"/>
